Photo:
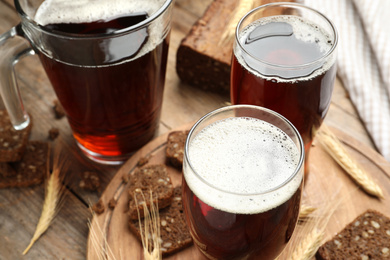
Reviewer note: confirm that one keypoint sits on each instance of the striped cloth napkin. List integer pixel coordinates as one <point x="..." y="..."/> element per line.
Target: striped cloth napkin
<point x="364" y="60"/>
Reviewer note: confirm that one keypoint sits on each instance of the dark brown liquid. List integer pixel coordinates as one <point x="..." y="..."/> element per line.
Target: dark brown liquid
<point x="113" y="104"/>
<point x="303" y="102"/>
<point x="225" y="235"/>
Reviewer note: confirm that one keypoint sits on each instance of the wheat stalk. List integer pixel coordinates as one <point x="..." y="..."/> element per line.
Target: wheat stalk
<point x="336" y="150"/>
<point x="307" y="239"/>
<point x="150" y="233"/>
<point x="315" y="231"/>
<point x="241" y="9"/>
<point x="103" y="251"/>
<point x="53" y="196"/>
<point x="309" y="246"/>
<point x="309" y="235"/>
<point x="305" y="211"/>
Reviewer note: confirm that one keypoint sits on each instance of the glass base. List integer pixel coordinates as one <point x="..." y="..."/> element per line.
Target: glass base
<point x="108" y="160"/>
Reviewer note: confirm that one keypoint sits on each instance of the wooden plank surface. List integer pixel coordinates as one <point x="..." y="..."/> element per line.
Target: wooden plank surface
<point x="67" y="237"/>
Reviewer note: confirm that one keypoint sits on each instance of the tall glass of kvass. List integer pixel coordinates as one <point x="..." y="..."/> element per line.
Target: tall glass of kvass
<point x="285" y="60"/>
<point x="106" y="61"/>
<point x="242" y="182"/>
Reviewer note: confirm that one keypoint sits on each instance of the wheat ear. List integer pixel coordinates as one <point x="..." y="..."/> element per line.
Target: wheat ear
<point x="150" y="232"/>
<point x="305" y="211"/>
<point x="103" y="251"/>
<point x="308" y="246"/>
<point x="53" y="195"/>
<point x="336" y="150"/>
<point x="310" y="234"/>
<point x="241" y="9"/>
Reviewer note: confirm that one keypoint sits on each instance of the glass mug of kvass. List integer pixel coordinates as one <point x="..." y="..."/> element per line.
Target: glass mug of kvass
<point x="243" y="173"/>
<point x="284" y="59"/>
<point x="106" y="61"/>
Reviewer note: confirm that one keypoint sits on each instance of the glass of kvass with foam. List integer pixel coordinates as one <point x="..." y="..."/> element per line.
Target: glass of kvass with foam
<point x="106" y="61"/>
<point x="284" y="59"/>
<point x="243" y="173"/>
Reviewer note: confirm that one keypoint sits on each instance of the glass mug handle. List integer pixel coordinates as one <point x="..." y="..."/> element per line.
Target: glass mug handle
<point x="12" y="49"/>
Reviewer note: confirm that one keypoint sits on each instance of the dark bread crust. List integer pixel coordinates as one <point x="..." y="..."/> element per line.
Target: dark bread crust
<point x="150" y="177"/>
<point x="366" y="237"/>
<point x="175" y="234"/>
<point x="175" y="148"/>
<point x="30" y="170"/>
<point x="12" y="142"/>
<point x="201" y="60"/>
<point x="6" y="171"/>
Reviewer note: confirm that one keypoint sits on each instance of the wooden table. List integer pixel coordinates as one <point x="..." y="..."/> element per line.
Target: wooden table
<point x="67" y="237"/>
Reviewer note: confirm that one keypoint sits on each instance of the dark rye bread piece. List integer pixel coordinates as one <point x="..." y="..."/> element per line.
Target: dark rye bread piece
<point x="175" y="148"/>
<point x="150" y="177"/>
<point x="30" y="170"/>
<point x="12" y="142"/>
<point x="367" y="237"/>
<point x="174" y="231"/>
<point x="202" y="60"/>
<point x="6" y="171"/>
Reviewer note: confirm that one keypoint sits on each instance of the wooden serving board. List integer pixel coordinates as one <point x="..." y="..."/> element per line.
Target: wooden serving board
<point x="110" y="235"/>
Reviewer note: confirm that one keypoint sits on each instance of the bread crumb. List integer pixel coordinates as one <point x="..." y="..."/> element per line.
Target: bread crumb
<point x="126" y="178"/>
<point x="142" y="161"/>
<point x="58" y="110"/>
<point x="98" y="207"/>
<point x="90" y="181"/>
<point x="112" y="203"/>
<point x="53" y="133"/>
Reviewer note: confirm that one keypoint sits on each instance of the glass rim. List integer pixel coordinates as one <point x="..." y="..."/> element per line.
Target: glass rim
<point x="296" y="6"/>
<point x="297" y="169"/>
<point x="115" y="33"/>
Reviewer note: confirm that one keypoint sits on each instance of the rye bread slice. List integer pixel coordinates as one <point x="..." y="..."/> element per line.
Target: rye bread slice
<point x="175" y="148"/>
<point x="30" y="170"/>
<point x="150" y="177"/>
<point x="366" y="237"/>
<point x="202" y="60"/>
<point x="12" y="142"/>
<point x="6" y="171"/>
<point x="174" y="231"/>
